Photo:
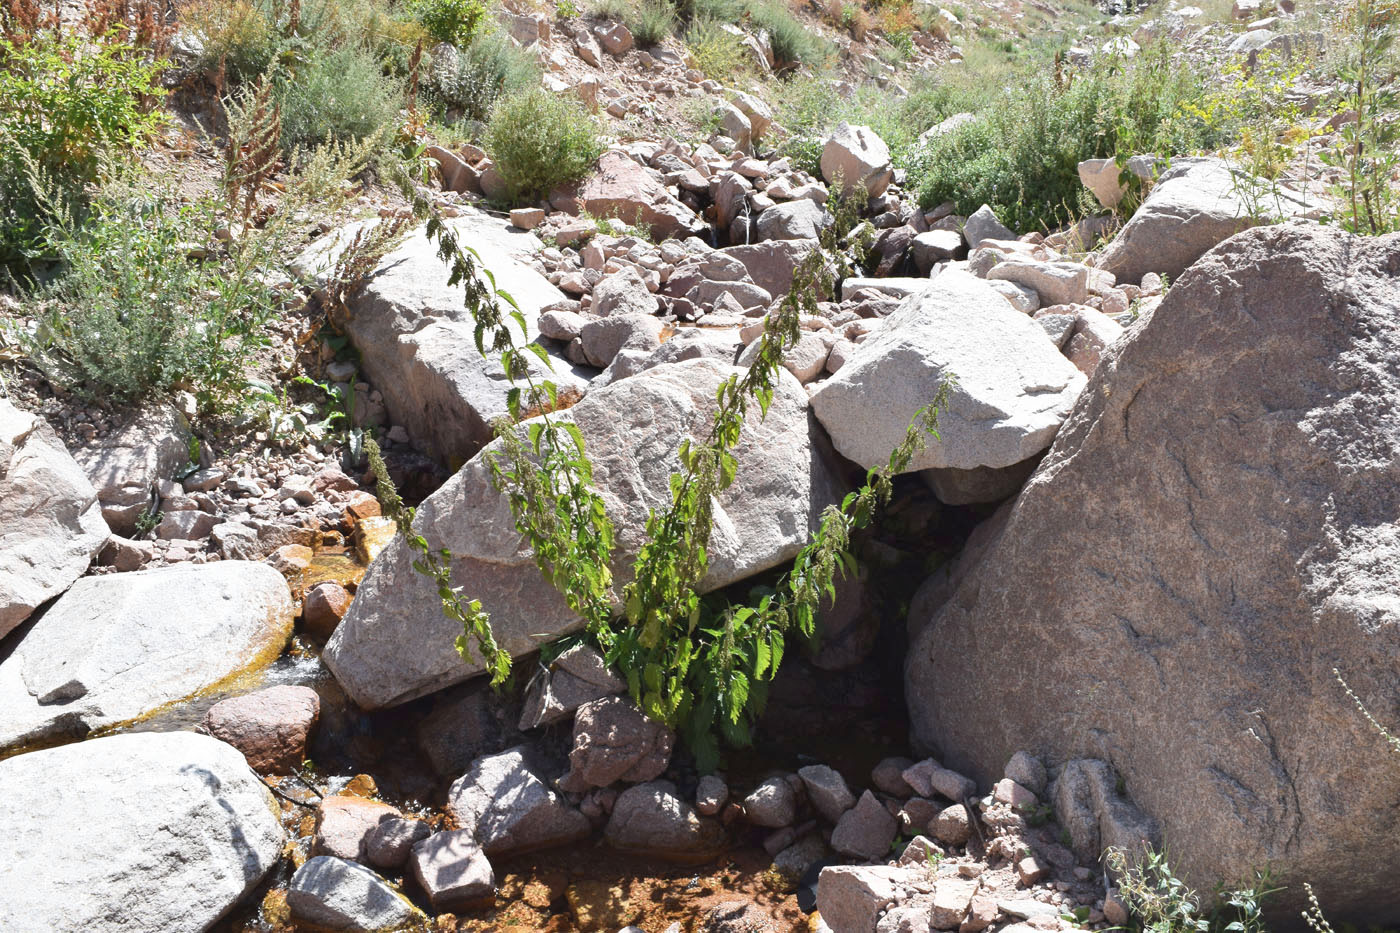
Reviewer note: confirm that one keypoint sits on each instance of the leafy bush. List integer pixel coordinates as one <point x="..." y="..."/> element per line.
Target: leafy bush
<point x="793" y="43"/>
<point x="718" y="54"/>
<point x="336" y="97"/>
<point x="64" y="104"/>
<point x="538" y="141"/>
<point x="135" y="313"/>
<point x="652" y="21"/>
<point x="455" y="22"/>
<point x="1021" y="156"/>
<point x="492" y="67"/>
<point x="239" y="35"/>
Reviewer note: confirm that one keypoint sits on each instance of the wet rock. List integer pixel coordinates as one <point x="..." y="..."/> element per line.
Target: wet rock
<point x="772" y="804"/>
<point x="81" y="667"/>
<point x="576" y="677"/>
<point x="344" y="824"/>
<point x="51" y="525"/>
<point x="270" y="727"/>
<point x="323" y="608"/>
<point x="509" y="809"/>
<point x="827" y="790"/>
<point x="600" y="905"/>
<point x="340" y="895"/>
<point x="395" y="644"/>
<point x="866" y="830"/>
<point x="851" y="898"/>
<point x="390" y="842"/>
<point x="1013" y="389"/>
<point x="173" y="822"/>
<point x="454" y="871"/>
<point x="858" y="157"/>
<point x="789" y="865"/>
<point x="615" y="741"/>
<point x="1255" y="398"/>
<point x="652" y="819"/>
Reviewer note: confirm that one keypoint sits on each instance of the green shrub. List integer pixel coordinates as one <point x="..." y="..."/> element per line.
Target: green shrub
<point x="1022" y="154"/>
<point x="793" y="43"/>
<point x="719" y="11"/>
<point x="135" y="313"/>
<point x="490" y="68"/>
<point x="65" y="103"/>
<point x="718" y="54"/>
<point x="652" y="21"/>
<point x="238" y="35"/>
<point x="336" y="97"/>
<point x="455" y="22"/>
<point x="538" y="141"/>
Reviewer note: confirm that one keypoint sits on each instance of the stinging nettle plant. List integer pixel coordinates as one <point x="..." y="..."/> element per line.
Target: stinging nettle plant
<point x="694" y="662"/>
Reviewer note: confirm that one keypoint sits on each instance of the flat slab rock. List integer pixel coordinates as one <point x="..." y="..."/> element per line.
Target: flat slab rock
<point x="395" y="644"/>
<point x="118" y="646"/>
<point x="140" y="833"/>
<point x="1013" y="388"/>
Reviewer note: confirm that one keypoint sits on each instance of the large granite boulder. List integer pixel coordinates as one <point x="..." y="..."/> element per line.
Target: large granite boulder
<point x="395" y="644"/>
<point x="416" y="338"/>
<point x="116" y="647"/>
<point x="142" y="833"/>
<point x="1215" y="530"/>
<point x="1195" y="204"/>
<point x="50" y="522"/>
<point x="1013" y="387"/>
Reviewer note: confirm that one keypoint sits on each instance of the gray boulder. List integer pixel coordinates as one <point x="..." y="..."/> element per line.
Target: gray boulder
<point x="454" y="871"/>
<point x="50" y="522"/>
<point x="1194" y="205"/>
<point x="340" y="895"/>
<point x="118" y="646"/>
<point x="416" y="338"/>
<point x="793" y="220"/>
<point x="827" y="790"/>
<point x="982" y="224"/>
<point x="859" y="158"/>
<point x="1013" y="388"/>
<point x="602" y="338"/>
<point x="141" y="833"/>
<point x="771" y="264"/>
<point x="623" y="292"/>
<point x="509" y="810"/>
<point x="652" y="819"/>
<point x="395" y="644"/>
<point x="1212" y="533"/>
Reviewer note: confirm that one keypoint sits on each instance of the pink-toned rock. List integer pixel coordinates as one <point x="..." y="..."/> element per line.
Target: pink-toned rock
<point x="455" y="173"/>
<point x="952" y="898"/>
<point x="952" y="827"/>
<point x="929" y="777"/>
<point x="615" y="741"/>
<point x="623" y="189"/>
<point x="1094" y="332"/>
<point x="1012" y="794"/>
<point x="1031" y="869"/>
<point x="344" y="824"/>
<point x="866" y="830"/>
<point x="527" y="218"/>
<point x="453" y="871"/>
<point x="888" y="777"/>
<point x="270" y="727"/>
<point x="324" y="607"/>
<point x="291" y="559"/>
